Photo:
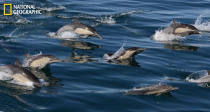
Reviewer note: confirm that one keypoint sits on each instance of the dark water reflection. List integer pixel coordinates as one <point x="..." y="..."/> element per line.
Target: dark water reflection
<point x="80" y="45"/>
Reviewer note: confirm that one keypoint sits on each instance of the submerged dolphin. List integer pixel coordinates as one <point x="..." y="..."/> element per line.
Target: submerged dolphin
<point x="180" y="29"/>
<point x="151" y="90"/>
<point x="123" y="54"/>
<point x="39" y="61"/>
<point x="83" y="30"/>
<point x="16" y="74"/>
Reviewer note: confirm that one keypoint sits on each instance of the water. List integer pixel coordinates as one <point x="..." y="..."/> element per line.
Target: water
<point x="85" y="82"/>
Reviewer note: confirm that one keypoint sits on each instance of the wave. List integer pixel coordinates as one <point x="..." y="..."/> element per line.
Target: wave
<point x="102" y="19"/>
<point x="14" y="19"/>
<point x="50" y="7"/>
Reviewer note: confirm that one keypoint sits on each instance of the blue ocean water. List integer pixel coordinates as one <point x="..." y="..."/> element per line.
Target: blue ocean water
<point x="85" y="82"/>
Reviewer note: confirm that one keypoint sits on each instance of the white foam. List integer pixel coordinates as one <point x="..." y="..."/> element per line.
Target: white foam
<point x="22" y="21"/>
<point x="202" y="24"/>
<point x="111" y="19"/>
<point x="50" y="9"/>
<point x="51" y="34"/>
<point x="130" y="12"/>
<point x="107" y="20"/>
<point x="161" y="36"/>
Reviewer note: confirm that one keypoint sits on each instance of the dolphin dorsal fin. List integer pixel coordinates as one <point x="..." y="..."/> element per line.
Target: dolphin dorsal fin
<point x="17" y="62"/>
<point x="76" y="21"/>
<point x="174" y="21"/>
<point x="208" y="72"/>
<point x="27" y="55"/>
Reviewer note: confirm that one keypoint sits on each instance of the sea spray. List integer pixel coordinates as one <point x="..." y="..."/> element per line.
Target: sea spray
<point x="161" y="36"/>
<point x="202" y="24"/>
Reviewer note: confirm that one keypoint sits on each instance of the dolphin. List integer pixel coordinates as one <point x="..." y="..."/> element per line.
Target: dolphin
<point x="180" y="29"/>
<point x="123" y="54"/>
<point x="18" y="75"/>
<point x="71" y="31"/>
<point x="151" y="90"/>
<point x="39" y="61"/>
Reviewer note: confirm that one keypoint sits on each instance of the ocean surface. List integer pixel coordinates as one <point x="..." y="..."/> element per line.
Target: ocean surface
<point x="87" y="83"/>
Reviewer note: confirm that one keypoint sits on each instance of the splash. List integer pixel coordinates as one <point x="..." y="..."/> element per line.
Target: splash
<point x="111" y="19"/>
<point x="161" y="36"/>
<point x="101" y="19"/>
<point x="202" y="24"/>
<point x="116" y="54"/>
<point x="66" y="35"/>
<point x="106" y="20"/>
<point x="51" y="9"/>
<point x="12" y="33"/>
<point x="130" y="13"/>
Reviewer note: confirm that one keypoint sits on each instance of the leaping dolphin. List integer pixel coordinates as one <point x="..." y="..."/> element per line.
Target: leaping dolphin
<point x="69" y="31"/>
<point x="180" y="29"/>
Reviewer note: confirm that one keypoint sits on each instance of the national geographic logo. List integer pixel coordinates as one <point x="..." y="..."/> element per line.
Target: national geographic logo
<point x="7" y="9"/>
<point x="10" y="9"/>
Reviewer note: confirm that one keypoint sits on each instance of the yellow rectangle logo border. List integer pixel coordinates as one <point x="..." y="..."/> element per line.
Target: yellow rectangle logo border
<point x="5" y="9"/>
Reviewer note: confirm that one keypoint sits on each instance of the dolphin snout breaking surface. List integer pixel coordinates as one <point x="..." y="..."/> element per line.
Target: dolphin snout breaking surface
<point x="39" y="61"/>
